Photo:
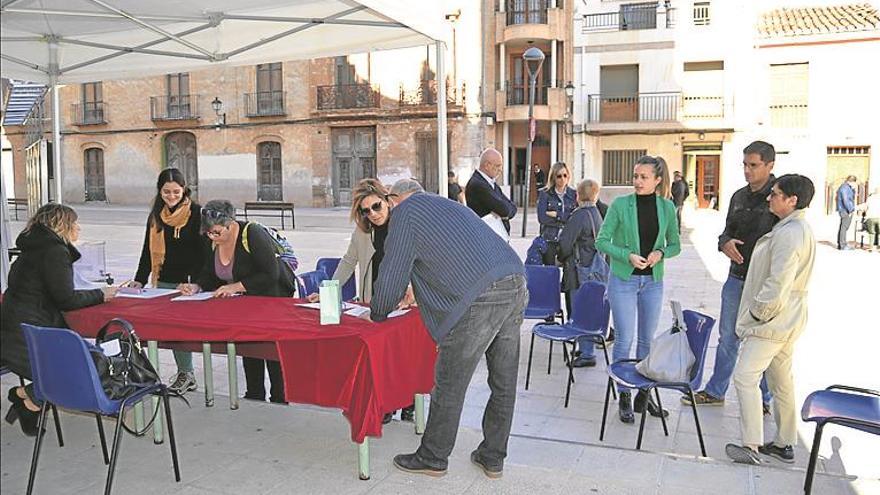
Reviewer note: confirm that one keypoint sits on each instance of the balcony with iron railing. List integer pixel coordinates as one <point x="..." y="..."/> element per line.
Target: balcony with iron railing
<point x="88" y="113"/>
<point x="524" y="20"/>
<point x="264" y="104"/>
<point x="348" y="96"/>
<point x="512" y="100"/>
<point x="702" y="107"/>
<point x="175" y="107"/>
<point x="518" y="92"/>
<point x="425" y="94"/>
<point x="525" y="11"/>
<point x="634" y="18"/>
<point x="661" y="109"/>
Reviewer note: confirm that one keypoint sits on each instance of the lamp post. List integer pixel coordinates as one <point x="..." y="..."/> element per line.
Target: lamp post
<point x="533" y="59"/>
<point x="217" y="105"/>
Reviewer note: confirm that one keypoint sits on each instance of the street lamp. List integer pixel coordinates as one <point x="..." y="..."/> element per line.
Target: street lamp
<point x="217" y="105"/>
<point x="533" y="59"/>
<point x="569" y="96"/>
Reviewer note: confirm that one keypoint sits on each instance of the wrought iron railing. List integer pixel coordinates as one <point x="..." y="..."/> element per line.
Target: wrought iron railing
<point x="426" y="94"/>
<point x="518" y="92"/>
<point x="344" y="96"/>
<point x="789" y="115"/>
<point x="626" y="19"/>
<point x="264" y="104"/>
<point x="175" y="107"/>
<point x="88" y="113"/>
<point x="702" y="107"/>
<point x="526" y="11"/>
<point x="643" y="107"/>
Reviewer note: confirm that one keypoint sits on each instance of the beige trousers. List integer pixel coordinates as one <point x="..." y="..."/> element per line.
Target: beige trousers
<point x="759" y="357"/>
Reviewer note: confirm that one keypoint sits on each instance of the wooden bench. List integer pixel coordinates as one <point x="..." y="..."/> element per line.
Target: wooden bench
<point x="270" y="206"/>
<point x="16" y="204"/>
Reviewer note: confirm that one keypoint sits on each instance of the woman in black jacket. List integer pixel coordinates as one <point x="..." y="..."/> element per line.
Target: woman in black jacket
<point x="40" y="288"/>
<point x="243" y="261"/>
<point x="172" y="252"/>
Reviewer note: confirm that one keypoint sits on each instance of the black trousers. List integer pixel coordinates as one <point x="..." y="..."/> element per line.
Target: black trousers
<point x="255" y="376"/>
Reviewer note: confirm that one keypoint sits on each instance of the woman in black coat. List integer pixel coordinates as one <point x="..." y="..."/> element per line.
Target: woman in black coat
<point x="40" y="288"/>
<point x="243" y="261"/>
<point x="172" y="252"/>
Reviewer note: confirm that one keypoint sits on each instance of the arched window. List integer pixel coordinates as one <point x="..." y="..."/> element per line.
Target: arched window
<point x="269" y="171"/>
<point x="93" y="165"/>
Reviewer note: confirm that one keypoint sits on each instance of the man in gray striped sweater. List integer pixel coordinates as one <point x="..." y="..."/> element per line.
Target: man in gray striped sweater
<point x="471" y="291"/>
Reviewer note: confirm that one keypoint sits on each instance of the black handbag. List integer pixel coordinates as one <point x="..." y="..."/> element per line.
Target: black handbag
<point x="127" y="371"/>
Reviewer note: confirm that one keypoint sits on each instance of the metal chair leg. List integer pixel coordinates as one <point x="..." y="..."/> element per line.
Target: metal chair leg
<point x="608" y="364"/>
<point x="57" y="426"/>
<point x="662" y="417"/>
<point x="697" y="421"/>
<point x="171" y="439"/>
<point x="529" y="368"/>
<point x="103" y="439"/>
<point x="605" y="411"/>
<point x="550" y="358"/>
<point x="814" y="455"/>
<point x="114" y="453"/>
<point x="570" y="378"/>
<point x="38" y="443"/>
<point x="641" y="428"/>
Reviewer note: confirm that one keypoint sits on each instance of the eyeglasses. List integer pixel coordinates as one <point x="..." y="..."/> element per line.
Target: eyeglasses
<point x="376" y="207"/>
<point x="214" y="214"/>
<point x="561" y="176"/>
<point x="213" y="234"/>
<point x="774" y="192"/>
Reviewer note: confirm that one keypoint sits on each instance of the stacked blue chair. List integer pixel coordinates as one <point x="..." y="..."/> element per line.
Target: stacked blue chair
<point x="309" y="282"/>
<point x="349" y="290"/>
<point x="543" y="283"/>
<point x="590" y="315"/>
<point x="65" y="375"/>
<point x="699" y="329"/>
<point x="842" y="405"/>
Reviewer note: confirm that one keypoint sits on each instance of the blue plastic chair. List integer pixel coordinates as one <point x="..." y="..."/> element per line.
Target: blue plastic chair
<point x="65" y="375"/>
<point x="329" y="265"/>
<point x="842" y="405"/>
<point x="3" y="371"/>
<point x="308" y="282"/>
<point x="623" y="372"/>
<point x="543" y="283"/>
<point x="590" y="315"/>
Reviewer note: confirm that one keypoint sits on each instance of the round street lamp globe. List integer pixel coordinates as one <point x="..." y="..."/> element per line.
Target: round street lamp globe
<point x="533" y="58"/>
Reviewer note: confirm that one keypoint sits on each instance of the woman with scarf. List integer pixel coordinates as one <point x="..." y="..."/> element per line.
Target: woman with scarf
<point x="173" y="252"/>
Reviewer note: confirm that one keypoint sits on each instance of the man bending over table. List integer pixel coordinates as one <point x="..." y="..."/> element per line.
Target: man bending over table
<point x="471" y="291"/>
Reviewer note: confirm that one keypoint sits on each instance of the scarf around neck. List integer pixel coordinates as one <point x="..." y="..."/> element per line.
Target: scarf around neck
<point x="176" y="219"/>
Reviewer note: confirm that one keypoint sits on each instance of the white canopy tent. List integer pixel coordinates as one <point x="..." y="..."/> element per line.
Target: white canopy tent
<point x="71" y="41"/>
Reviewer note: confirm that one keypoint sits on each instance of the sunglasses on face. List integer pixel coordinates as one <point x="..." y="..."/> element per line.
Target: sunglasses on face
<point x="376" y="207"/>
<point x="213" y="214"/>
<point x="561" y="176"/>
<point x="213" y="234"/>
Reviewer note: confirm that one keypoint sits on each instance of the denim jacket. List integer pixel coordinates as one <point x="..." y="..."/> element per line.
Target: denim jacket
<point x="550" y="201"/>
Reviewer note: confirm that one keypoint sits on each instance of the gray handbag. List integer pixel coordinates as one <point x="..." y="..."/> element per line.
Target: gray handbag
<point x="670" y="358"/>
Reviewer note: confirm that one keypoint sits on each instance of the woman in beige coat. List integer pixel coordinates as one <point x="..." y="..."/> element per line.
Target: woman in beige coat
<point x="371" y="206"/>
<point x="772" y="315"/>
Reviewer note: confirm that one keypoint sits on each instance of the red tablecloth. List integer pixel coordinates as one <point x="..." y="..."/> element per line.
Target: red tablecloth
<point x="364" y="368"/>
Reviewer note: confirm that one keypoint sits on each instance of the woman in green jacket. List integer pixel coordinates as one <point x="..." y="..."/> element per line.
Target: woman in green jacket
<point x="639" y="232"/>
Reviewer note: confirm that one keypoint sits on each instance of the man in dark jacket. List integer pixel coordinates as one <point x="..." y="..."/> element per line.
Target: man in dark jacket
<point x="680" y="192"/>
<point x="846" y="205"/>
<point x="748" y="219"/>
<point x="471" y="291"/>
<point x="483" y="194"/>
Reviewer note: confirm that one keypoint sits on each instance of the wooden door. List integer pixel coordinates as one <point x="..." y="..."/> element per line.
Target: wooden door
<point x="354" y="158"/>
<point x="94" y="175"/>
<point x="707" y="181"/>
<point x="269" y="173"/>
<point x="181" y="153"/>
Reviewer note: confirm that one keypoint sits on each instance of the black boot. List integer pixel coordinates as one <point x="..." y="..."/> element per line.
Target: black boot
<point x="625" y="408"/>
<point x="408" y="413"/>
<point x="644" y="399"/>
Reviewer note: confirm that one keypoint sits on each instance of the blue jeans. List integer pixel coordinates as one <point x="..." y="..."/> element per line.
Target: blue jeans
<point x="641" y="297"/>
<point x="728" y="342"/>
<point x="184" y="359"/>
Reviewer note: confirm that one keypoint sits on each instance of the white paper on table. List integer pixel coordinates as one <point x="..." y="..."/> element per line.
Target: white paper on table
<point x="358" y="311"/>
<point x="81" y="283"/>
<point x="199" y="296"/>
<point x="317" y="305"/>
<point x="398" y="312"/>
<point x="494" y="222"/>
<point x="146" y="293"/>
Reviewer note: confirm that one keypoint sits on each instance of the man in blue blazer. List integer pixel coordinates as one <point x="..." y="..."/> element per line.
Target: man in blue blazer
<point x="483" y="194"/>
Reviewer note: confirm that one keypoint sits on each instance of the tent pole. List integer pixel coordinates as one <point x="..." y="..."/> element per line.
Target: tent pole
<point x="56" y="119"/>
<point x="442" y="157"/>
